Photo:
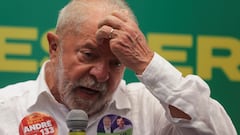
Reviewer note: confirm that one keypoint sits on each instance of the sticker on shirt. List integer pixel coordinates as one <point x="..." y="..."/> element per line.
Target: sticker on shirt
<point x="114" y="125"/>
<point x="38" y="123"/>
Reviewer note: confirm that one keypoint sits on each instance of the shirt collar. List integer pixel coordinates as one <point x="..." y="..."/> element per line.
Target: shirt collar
<point x="121" y="98"/>
<point x="41" y="87"/>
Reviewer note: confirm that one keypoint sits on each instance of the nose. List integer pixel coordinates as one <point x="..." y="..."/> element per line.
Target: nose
<point x="101" y="71"/>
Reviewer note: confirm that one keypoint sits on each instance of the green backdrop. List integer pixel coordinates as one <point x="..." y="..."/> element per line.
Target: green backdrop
<point x="198" y="37"/>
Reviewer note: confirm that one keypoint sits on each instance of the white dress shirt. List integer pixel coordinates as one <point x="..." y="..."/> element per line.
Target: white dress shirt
<point x="144" y="103"/>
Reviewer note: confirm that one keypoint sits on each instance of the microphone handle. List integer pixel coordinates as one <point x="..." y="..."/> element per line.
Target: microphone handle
<point x="77" y="133"/>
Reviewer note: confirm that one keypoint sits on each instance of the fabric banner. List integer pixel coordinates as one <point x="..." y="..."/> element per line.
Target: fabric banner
<point x="198" y="37"/>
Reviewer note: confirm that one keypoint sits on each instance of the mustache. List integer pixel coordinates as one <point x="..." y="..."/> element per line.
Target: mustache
<point x="90" y="83"/>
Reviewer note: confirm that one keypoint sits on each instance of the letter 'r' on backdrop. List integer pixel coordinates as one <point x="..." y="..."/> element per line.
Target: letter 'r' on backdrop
<point x="198" y="37"/>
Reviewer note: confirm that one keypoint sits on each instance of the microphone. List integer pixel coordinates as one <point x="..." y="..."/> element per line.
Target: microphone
<point x="77" y="121"/>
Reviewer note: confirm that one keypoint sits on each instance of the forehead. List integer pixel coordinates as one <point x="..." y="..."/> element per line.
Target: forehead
<point x="85" y="34"/>
<point x="106" y="119"/>
<point x="86" y="40"/>
<point x="120" y="119"/>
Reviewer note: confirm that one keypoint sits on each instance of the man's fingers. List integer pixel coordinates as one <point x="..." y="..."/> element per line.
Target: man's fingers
<point x="105" y="33"/>
<point x="112" y="21"/>
<point x="122" y="15"/>
<point x="116" y="19"/>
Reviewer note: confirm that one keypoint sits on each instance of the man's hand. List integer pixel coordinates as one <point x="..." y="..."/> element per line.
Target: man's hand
<point x="126" y="40"/>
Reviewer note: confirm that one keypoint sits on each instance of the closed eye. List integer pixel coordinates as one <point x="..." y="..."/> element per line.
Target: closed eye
<point x="89" y="55"/>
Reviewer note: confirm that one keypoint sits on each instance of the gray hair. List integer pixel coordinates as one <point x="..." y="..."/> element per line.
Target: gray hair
<point x="76" y="12"/>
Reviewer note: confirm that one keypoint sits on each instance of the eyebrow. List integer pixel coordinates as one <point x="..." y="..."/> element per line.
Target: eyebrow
<point x="90" y="45"/>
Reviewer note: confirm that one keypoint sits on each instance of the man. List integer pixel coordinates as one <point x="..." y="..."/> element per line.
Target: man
<point x="106" y="126"/>
<point x="121" y="126"/>
<point x="94" y="41"/>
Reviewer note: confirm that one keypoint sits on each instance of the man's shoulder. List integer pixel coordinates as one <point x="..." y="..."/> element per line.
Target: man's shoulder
<point x="17" y="89"/>
<point x="133" y="86"/>
<point x="138" y="90"/>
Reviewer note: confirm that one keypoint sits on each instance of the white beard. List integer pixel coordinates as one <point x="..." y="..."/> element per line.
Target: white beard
<point x="69" y="98"/>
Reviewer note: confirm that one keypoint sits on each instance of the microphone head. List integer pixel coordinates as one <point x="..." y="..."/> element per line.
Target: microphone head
<point x="77" y="120"/>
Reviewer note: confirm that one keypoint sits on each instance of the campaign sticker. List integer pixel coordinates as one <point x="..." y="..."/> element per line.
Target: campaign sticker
<point x="38" y="123"/>
<point x="114" y="125"/>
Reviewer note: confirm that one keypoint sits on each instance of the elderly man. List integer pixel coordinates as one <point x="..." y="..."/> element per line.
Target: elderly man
<point x="95" y="41"/>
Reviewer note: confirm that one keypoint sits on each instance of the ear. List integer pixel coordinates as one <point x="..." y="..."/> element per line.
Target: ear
<point x="53" y="44"/>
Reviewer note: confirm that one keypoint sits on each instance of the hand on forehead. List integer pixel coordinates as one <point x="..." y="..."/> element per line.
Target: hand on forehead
<point x="125" y="40"/>
<point x="119" y="21"/>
